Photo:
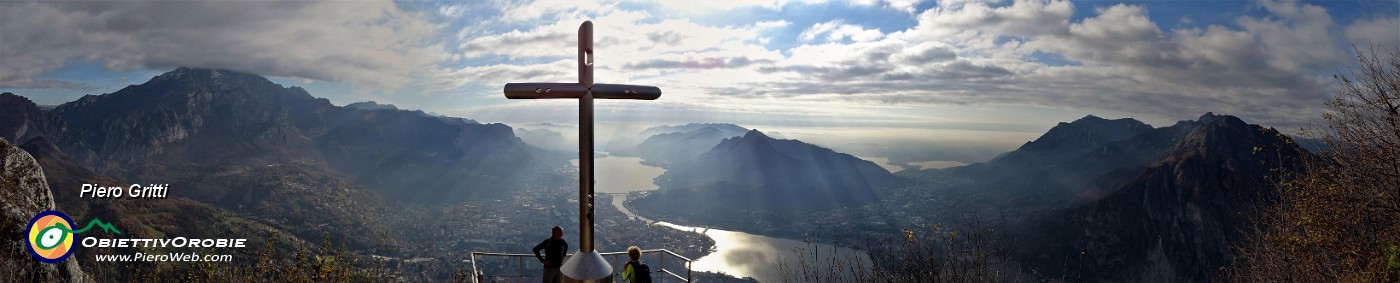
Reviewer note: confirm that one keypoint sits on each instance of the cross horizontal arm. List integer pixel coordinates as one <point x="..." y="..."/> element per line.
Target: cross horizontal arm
<point x="576" y="90"/>
<point x="544" y="90"/>
<point x="616" y="91"/>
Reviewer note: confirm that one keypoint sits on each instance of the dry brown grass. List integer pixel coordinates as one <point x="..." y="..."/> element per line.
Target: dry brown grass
<point x="1339" y="219"/>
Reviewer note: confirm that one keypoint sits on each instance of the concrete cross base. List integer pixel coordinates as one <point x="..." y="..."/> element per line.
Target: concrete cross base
<point x="586" y="266"/>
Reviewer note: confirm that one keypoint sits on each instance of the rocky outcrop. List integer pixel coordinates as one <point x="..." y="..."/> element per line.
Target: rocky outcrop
<point x="24" y="193"/>
<point x="1176" y="221"/>
<point x="1070" y="164"/>
<point x="21" y="120"/>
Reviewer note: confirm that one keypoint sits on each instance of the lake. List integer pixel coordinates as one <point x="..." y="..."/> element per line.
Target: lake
<point x="736" y="253"/>
<point x="620" y="174"/>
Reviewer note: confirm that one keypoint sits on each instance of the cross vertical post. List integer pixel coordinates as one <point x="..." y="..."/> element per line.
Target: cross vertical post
<point x="587" y="264"/>
<point x="585" y="138"/>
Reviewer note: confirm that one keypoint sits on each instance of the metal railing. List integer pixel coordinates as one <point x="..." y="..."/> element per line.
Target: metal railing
<point x="618" y="258"/>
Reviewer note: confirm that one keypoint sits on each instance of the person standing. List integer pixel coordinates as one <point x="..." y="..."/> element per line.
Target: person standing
<point x="554" y="249"/>
<point x="634" y="271"/>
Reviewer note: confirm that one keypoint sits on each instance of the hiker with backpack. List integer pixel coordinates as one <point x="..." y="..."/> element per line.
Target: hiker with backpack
<point x="634" y="271"/>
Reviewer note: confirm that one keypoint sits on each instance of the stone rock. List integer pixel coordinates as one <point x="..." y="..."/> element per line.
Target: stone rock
<point x="23" y="193"/>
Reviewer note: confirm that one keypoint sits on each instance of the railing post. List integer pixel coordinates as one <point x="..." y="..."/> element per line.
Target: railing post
<point x="522" y="270"/>
<point x="663" y="267"/>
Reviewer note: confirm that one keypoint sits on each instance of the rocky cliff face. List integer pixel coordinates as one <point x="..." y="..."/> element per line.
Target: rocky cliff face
<point x="1176" y="220"/>
<point x="24" y="193"/>
<point x="179" y="113"/>
<point x="1070" y="164"/>
<point x="21" y="120"/>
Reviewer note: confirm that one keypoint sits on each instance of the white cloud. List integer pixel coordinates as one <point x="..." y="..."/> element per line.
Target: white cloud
<point x="1021" y="18"/>
<point x="1119" y="34"/>
<point x="771" y="24"/>
<point x="907" y="6"/>
<point x="1382" y="30"/>
<point x="452" y="11"/>
<point x="557" y="71"/>
<point x="837" y="30"/>
<point x="964" y="52"/>
<point x="372" y="43"/>
<point x="961" y="52"/>
<point x="630" y="46"/>
<point x="959" y="3"/>
<point x="1297" y="38"/>
<point x="535" y="11"/>
<point x="705" y="6"/>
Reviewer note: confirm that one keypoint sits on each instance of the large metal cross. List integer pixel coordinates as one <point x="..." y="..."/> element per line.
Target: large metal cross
<point x="586" y="264"/>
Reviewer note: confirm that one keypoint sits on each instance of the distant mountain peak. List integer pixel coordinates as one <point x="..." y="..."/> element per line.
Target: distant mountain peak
<point x="1086" y="133"/>
<point x="754" y="133"/>
<point x="371" y="105"/>
<point x="9" y="98"/>
<point x="1091" y="119"/>
<point x="1206" y="118"/>
<point x="1227" y="134"/>
<point x="1207" y="173"/>
<point x="207" y="75"/>
<point x="1212" y="118"/>
<point x="690" y="127"/>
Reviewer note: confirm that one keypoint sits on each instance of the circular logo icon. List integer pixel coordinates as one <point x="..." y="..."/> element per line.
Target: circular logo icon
<point x="49" y="236"/>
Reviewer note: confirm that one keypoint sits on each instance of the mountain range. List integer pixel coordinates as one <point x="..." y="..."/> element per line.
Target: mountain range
<point x="546" y="139"/>
<point x="1124" y="201"/>
<point x="1093" y="199"/>
<point x="1073" y="162"/>
<point x="1176" y="219"/>
<point x="669" y="145"/>
<point x="198" y="120"/>
<point x="250" y="156"/>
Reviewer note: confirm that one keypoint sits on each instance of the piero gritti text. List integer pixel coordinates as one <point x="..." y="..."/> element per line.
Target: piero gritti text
<point x="135" y="191"/>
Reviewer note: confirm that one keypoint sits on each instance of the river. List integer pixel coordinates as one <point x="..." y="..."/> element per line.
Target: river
<point x="736" y="253"/>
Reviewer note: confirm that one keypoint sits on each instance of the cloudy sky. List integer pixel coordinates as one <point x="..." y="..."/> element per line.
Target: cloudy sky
<point x="910" y="66"/>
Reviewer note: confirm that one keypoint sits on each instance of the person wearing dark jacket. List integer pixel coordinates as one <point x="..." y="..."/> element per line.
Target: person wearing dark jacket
<point x="554" y="249"/>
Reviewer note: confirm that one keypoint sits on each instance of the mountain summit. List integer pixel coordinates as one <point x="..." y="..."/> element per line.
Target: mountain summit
<point x="1176" y="219"/>
<point x="683" y="143"/>
<point x="1078" y="137"/>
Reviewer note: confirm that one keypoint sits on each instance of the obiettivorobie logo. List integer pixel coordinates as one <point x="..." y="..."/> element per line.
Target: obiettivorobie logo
<point x="51" y="239"/>
<point x="50" y="235"/>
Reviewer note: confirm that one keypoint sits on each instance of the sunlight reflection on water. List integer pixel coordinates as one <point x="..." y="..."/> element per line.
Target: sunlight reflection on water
<point x="736" y="253"/>
<point x="747" y="255"/>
